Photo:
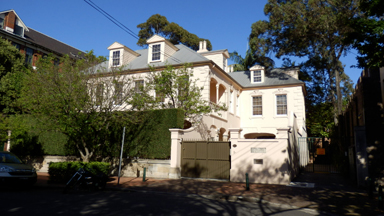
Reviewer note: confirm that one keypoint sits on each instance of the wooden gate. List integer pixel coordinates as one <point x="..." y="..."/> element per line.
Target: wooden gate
<point x="205" y="159"/>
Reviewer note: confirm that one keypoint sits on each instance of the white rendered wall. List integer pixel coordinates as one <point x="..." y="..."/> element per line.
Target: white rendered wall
<point x="270" y="121"/>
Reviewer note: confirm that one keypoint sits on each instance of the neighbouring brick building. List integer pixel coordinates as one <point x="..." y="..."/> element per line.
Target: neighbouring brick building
<point x="29" y="41"/>
<point x="362" y="127"/>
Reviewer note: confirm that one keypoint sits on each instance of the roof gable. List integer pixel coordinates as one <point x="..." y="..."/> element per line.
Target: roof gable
<point x="117" y="45"/>
<point x="155" y="38"/>
<point x="17" y="16"/>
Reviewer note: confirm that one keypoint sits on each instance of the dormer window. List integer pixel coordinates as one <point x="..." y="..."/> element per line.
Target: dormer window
<point x="116" y="58"/>
<point x="257" y="76"/>
<point x="18" y="31"/>
<point x="159" y="49"/>
<point x="120" y="55"/>
<point x="156" y="52"/>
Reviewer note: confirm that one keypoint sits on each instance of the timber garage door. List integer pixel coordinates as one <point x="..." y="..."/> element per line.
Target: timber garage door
<point x="205" y="159"/>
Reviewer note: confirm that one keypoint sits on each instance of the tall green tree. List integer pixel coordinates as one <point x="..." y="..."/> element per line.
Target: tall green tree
<point x="177" y="88"/>
<point x="80" y="100"/>
<point x="12" y="72"/>
<point x="311" y="29"/>
<point x="157" y="24"/>
<point x="368" y="34"/>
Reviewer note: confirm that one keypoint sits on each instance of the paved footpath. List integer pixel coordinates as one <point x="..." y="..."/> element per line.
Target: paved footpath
<point x="326" y="193"/>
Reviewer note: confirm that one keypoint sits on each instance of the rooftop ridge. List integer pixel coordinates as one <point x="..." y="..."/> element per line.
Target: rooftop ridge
<point x="56" y="40"/>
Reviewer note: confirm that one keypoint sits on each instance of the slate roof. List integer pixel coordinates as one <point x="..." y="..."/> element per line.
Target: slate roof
<point x="43" y="40"/>
<point x="182" y="56"/>
<point x="274" y="77"/>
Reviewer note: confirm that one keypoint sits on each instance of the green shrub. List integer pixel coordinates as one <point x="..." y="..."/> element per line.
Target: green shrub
<point x="61" y="172"/>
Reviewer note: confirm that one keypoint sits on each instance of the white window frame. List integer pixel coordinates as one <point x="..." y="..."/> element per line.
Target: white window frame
<point x="253" y="105"/>
<point x="277" y="105"/>
<point x="119" y="86"/>
<point x="137" y="87"/>
<point x="154" y="46"/>
<point x="99" y="94"/>
<point x="255" y="75"/>
<point x="116" y="58"/>
<point x="160" y="98"/>
<point x="231" y="104"/>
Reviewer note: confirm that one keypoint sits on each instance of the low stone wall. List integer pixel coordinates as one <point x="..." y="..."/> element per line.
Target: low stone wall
<point x="129" y="168"/>
<point x="42" y="164"/>
<point x="154" y="168"/>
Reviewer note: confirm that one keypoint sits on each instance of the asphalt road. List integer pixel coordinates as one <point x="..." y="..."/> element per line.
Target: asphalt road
<point x="43" y="201"/>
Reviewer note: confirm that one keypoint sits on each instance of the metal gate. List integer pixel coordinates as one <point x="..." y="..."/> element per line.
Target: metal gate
<point x="320" y="156"/>
<point x="205" y="159"/>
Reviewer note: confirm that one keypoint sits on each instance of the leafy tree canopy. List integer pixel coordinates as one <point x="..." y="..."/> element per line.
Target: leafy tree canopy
<point x="314" y="29"/>
<point x="368" y="34"/>
<point x="12" y="71"/>
<point x="157" y="24"/>
<point x="251" y="58"/>
<point x="77" y="99"/>
<point x="177" y="88"/>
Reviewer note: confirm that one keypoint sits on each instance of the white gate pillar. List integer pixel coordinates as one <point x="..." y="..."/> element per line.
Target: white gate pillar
<point x="174" y="171"/>
<point x="234" y="133"/>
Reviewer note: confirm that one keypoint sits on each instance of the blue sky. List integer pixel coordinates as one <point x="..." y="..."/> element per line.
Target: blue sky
<point x="225" y="23"/>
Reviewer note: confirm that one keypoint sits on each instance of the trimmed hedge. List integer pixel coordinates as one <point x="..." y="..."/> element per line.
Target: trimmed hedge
<point x="149" y="138"/>
<point x="61" y="172"/>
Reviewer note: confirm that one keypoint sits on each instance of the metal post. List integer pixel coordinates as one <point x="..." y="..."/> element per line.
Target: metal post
<point x="121" y="156"/>
<point x="9" y="140"/>
<point x="144" y="174"/>
<point x="246" y="182"/>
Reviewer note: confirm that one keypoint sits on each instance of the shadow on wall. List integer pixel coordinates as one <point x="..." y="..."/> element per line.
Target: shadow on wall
<point x="129" y="167"/>
<point x="203" y="130"/>
<point x="293" y="155"/>
<point x="271" y="173"/>
<point x="196" y="171"/>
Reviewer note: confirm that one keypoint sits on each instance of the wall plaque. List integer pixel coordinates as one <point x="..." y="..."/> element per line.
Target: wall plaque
<point x="258" y="150"/>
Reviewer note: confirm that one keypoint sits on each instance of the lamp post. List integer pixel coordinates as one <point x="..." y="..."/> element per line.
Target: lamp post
<point x="9" y="140"/>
